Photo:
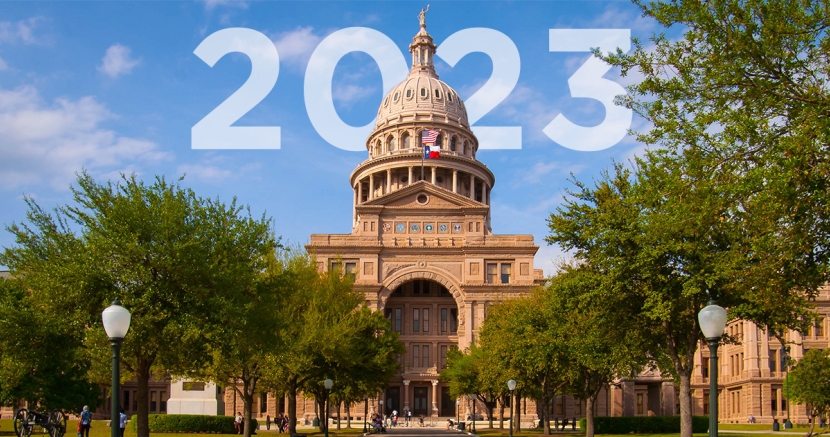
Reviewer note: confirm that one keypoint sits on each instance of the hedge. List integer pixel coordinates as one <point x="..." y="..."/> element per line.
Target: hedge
<point x="644" y="424"/>
<point x="187" y="423"/>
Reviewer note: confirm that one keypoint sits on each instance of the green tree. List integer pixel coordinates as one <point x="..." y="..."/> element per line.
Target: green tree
<point x="41" y="356"/>
<point x="747" y="85"/>
<point x="167" y="254"/>
<point x="808" y="382"/>
<point x="670" y="236"/>
<point x="598" y="354"/>
<point x="473" y="372"/>
<point x="329" y="333"/>
<point x="525" y="335"/>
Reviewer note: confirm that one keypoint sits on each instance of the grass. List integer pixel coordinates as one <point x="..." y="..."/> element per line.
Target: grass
<point x="100" y="429"/>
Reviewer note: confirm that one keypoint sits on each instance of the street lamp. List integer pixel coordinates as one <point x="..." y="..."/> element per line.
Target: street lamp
<point x="511" y="385"/>
<point x="712" y="320"/>
<point x="365" y="412"/>
<point x="116" y="323"/>
<point x="785" y="357"/>
<point x="327" y="383"/>
<point x="382" y="413"/>
<point x="457" y="412"/>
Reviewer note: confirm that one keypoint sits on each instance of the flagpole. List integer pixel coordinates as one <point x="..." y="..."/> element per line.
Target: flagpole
<point x="423" y="151"/>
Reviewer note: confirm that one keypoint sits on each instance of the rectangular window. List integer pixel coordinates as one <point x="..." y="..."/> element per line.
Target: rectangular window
<point x="774" y="400"/>
<point x="398" y="321"/>
<point x="135" y="401"/>
<point x="773" y="360"/>
<point x="741" y="363"/>
<point x="351" y="270"/>
<point x="416" y="356"/>
<point x="704" y="367"/>
<point x="559" y="406"/>
<point x="577" y="407"/>
<point x="705" y="402"/>
<point x="505" y="273"/>
<point x="153" y="402"/>
<point x="443" y="356"/>
<point x="492" y="270"/>
<point x="416" y="320"/>
<point x="126" y="398"/>
<point x="819" y="327"/>
<point x="263" y="403"/>
<point x="163" y="402"/>
<point x="639" y="403"/>
<point x="426" y="320"/>
<point x="336" y="266"/>
<point x="443" y="320"/>
<point x="453" y="320"/>
<point x="425" y="356"/>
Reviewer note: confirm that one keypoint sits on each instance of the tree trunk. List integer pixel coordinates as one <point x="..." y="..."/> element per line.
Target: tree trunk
<point x="339" y="404"/>
<point x="501" y="412"/>
<point x="292" y="407"/>
<point x="348" y="415"/>
<point x="686" y="404"/>
<point x="248" y="389"/>
<point x="518" y="414"/>
<point x="142" y="374"/>
<point x="812" y="425"/>
<point x="589" y="416"/>
<point x="544" y="416"/>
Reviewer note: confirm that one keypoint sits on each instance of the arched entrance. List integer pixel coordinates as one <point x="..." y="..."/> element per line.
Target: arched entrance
<point x="425" y="314"/>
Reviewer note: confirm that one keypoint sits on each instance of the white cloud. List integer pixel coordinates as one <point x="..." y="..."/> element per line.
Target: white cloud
<point x="535" y="174"/>
<point x="117" y="61"/>
<point x="212" y="4"/>
<point x="23" y="31"/>
<point x="43" y="143"/>
<point x="202" y="172"/>
<point x="295" y="46"/>
<point x="346" y="95"/>
<point x="3" y="65"/>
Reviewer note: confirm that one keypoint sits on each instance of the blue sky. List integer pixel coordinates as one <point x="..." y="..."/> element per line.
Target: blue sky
<point x="115" y="87"/>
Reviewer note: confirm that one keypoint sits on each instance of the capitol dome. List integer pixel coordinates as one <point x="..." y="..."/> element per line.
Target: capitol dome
<point x="423" y="92"/>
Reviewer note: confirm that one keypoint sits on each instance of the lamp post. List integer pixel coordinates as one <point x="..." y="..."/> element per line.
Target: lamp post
<point x="712" y="320"/>
<point x="382" y="413"/>
<point x="327" y="384"/>
<point x="786" y="357"/>
<point x="511" y="385"/>
<point x="365" y="412"/>
<point x="116" y="323"/>
<point x="457" y="411"/>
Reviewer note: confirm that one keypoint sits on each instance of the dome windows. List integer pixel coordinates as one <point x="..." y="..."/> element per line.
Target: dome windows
<point x="423" y="93"/>
<point x="449" y="96"/>
<point x="409" y="94"/>
<point x="386" y="101"/>
<point x="437" y="93"/>
<point x="395" y="97"/>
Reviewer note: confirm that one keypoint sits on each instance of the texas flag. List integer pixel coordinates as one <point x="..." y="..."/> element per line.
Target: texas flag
<point x="428" y="139"/>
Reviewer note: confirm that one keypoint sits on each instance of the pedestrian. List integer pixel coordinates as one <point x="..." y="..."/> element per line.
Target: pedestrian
<point x="751" y="418"/>
<point x="573" y="424"/>
<point x="86" y="421"/>
<point x="564" y="423"/>
<point x="421" y="420"/>
<point x="408" y="417"/>
<point x="268" y="422"/>
<point x="237" y="423"/>
<point x="122" y="422"/>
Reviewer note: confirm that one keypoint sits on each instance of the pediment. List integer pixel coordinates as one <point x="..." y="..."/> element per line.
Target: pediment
<point x="424" y="195"/>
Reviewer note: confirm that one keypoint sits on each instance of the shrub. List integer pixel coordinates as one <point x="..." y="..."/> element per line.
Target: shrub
<point x="644" y="424"/>
<point x="190" y="423"/>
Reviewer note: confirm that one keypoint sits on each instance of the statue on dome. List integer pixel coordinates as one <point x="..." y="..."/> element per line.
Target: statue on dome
<point x="423" y="16"/>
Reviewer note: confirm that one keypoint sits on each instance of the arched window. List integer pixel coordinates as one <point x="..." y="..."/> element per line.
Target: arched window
<point x="390" y="144"/>
<point x="452" y="144"/>
<point x="439" y="142"/>
<point x="406" y="141"/>
<point x="377" y="147"/>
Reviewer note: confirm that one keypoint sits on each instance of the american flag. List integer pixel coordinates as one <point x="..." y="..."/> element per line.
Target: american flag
<point x="429" y="137"/>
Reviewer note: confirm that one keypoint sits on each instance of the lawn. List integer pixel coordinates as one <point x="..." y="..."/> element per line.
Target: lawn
<point x="100" y="429"/>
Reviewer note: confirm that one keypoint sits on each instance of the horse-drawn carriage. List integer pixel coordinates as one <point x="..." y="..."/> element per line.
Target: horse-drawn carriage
<point x="26" y="421"/>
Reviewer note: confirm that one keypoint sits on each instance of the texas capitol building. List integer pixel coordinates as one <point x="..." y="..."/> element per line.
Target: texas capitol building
<point x="422" y="251"/>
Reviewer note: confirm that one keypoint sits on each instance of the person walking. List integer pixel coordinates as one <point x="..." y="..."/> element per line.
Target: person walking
<point x="268" y="422"/>
<point x="86" y="421"/>
<point x="237" y="423"/>
<point x="122" y="422"/>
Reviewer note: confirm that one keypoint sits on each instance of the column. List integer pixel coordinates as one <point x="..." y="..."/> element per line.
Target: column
<point x="371" y="186"/>
<point x="359" y="191"/>
<point x="483" y="192"/>
<point x="410" y="176"/>
<point x="455" y="181"/>
<point x="388" y="181"/>
<point x="433" y="174"/>
<point x="472" y="186"/>
<point x="405" y="395"/>
<point x="750" y="341"/>
<point x="434" y="411"/>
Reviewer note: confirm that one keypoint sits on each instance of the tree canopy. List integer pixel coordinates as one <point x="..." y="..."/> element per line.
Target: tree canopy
<point x="808" y="382"/>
